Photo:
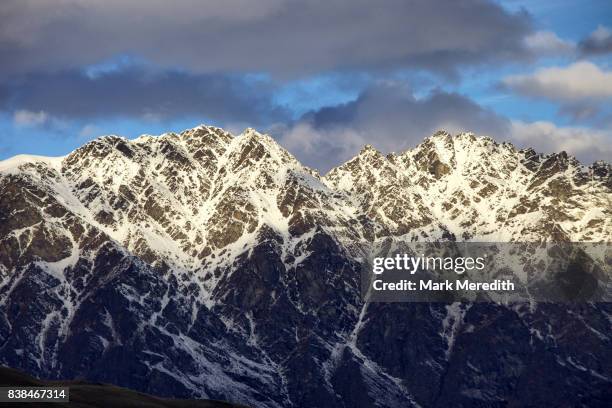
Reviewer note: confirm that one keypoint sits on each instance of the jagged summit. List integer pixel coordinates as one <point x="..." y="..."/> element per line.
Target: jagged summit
<point x="472" y="186"/>
<point x="208" y="136"/>
<point x="368" y="148"/>
<point x="443" y="134"/>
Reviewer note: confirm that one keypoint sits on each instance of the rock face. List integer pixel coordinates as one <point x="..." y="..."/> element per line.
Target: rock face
<point x="203" y="265"/>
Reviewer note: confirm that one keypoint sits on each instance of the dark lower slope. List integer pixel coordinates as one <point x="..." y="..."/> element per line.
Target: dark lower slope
<point x="301" y="337"/>
<point x="84" y="395"/>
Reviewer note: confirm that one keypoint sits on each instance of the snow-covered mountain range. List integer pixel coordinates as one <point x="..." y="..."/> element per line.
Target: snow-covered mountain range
<point x="203" y="264"/>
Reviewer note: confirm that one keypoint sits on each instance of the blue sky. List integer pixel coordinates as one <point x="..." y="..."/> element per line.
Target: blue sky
<point x="323" y="80"/>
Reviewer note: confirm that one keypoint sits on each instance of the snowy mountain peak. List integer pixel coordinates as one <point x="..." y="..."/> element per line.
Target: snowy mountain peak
<point x="368" y="149"/>
<point x="254" y="147"/>
<point x="440" y="134"/>
<point x="14" y="163"/>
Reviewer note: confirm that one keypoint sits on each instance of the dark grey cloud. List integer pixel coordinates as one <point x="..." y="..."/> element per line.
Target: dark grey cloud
<point x="283" y="37"/>
<point x="597" y="43"/>
<point x="388" y="116"/>
<point x="141" y="94"/>
<point x="391" y="108"/>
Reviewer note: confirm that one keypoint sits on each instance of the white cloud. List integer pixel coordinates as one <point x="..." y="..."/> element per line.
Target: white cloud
<point x="585" y="144"/>
<point x="29" y="118"/>
<point x="578" y="82"/>
<point x="89" y="131"/>
<point x="601" y="34"/>
<point x="543" y="43"/>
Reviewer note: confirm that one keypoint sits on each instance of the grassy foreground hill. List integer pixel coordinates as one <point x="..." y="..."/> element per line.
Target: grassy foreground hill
<point x="90" y="395"/>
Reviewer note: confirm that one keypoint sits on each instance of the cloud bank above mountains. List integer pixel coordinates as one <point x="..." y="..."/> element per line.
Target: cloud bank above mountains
<point x="284" y="38"/>
<point x="323" y="77"/>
